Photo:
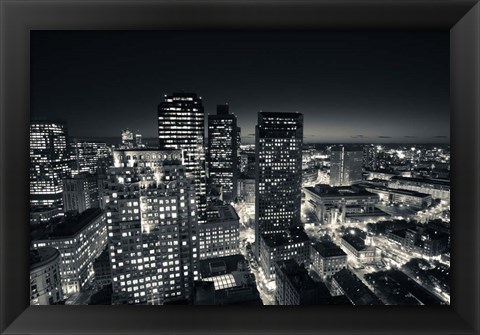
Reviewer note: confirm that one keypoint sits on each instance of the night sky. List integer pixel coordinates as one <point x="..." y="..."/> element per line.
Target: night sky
<point x="351" y="87"/>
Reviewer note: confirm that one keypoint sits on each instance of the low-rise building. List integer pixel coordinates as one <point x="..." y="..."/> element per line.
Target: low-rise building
<point x="293" y="244"/>
<point x="220" y="235"/>
<point x="346" y="283"/>
<point x="399" y="196"/>
<point x="334" y="204"/>
<point x="45" y="283"/>
<point x="437" y="188"/>
<point x="79" y="239"/>
<point x="356" y="248"/>
<point x="295" y="287"/>
<point x="327" y="259"/>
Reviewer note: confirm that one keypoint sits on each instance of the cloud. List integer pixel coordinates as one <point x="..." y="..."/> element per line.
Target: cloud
<point x="409" y="136"/>
<point x="359" y="136"/>
<point x="384" y="136"/>
<point x="440" y="136"/>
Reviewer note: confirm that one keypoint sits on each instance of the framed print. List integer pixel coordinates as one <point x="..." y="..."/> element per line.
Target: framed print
<point x="165" y="164"/>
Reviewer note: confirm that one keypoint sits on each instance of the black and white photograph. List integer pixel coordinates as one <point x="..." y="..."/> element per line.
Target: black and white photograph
<point x="239" y="168"/>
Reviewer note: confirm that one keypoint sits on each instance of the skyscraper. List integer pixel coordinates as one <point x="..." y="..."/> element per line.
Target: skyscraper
<point x="49" y="163"/>
<point x="152" y="227"/>
<point x="346" y="165"/>
<point x="278" y="173"/>
<point x="88" y="156"/>
<point x="222" y="153"/>
<point x="80" y="192"/>
<point x="181" y="125"/>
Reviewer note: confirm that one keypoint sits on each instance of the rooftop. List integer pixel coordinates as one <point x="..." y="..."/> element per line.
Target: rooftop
<point x="328" y="249"/>
<point x="218" y="214"/>
<point x="355" y="241"/>
<point x="71" y="225"/>
<point x="354" y="289"/>
<point x="440" y="182"/>
<point x="322" y="190"/>
<point x="293" y="235"/>
<point x="42" y="256"/>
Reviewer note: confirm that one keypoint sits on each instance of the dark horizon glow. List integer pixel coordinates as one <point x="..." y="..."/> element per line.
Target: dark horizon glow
<point x="351" y="87"/>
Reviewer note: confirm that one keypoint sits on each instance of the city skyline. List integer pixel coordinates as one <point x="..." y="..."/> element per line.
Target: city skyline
<point x="351" y="87"/>
<point x="142" y="199"/>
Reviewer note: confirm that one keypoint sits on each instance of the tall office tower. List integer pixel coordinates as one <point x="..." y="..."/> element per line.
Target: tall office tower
<point x="222" y="153"/>
<point x="152" y="227"/>
<point x="181" y="125"/>
<point x="278" y="173"/>
<point x="370" y="157"/>
<point x="80" y="193"/>
<point x="49" y="163"/>
<point x="346" y="165"/>
<point x="88" y="156"/>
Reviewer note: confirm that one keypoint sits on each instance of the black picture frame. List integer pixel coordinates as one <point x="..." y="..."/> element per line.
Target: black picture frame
<point x="461" y="18"/>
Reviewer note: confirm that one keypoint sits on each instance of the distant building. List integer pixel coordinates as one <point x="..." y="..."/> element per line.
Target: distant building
<point x="278" y="173"/>
<point x="327" y="259"/>
<point x="79" y="239"/>
<point x="294" y="243"/>
<point x="80" y="193"/>
<point x="356" y="248"/>
<point x="427" y="242"/>
<point x="346" y="283"/>
<point x="220" y="236"/>
<point x="346" y="165"/>
<point x="333" y="205"/>
<point x="88" y="157"/>
<point x="399" y="196"/>
<point x="45" y="284"/>
<point x="222" y="160"/>
<point x="181" y="125"/>
<point x="437" y="188"/>
<point x="43" y="214"/>
<point x="246" y="190"/>
<point x="49" y="163"/>
<point x="295" y="287"/>
<point x="370" y="153"/>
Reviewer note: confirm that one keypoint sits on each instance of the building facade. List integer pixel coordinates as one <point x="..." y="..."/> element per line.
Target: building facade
<point x="220" y="236"/>
<point x="181" y="125"/>
<point x="88" y="157"/>
<point x="79" y="239"/>
<point x="222" y="153"/>
<point x="45" y="283"/>
<point x="278" y="173"/>
<point x="346" y="165"/>
<point x="80" y="193"/>
<point x="437" y="188"/>
<point x="152" y="227"/>
<point x="327" y="259"/>
<point x="295" y="287"/>
<point x="294" y="244"/>
<point x="49" y="163"/>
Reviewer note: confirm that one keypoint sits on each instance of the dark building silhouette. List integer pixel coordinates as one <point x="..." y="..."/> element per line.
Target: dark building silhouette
<point x="222" y="151"/>
<point x="295" y="287"/>
<point x="278" y="173"/>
